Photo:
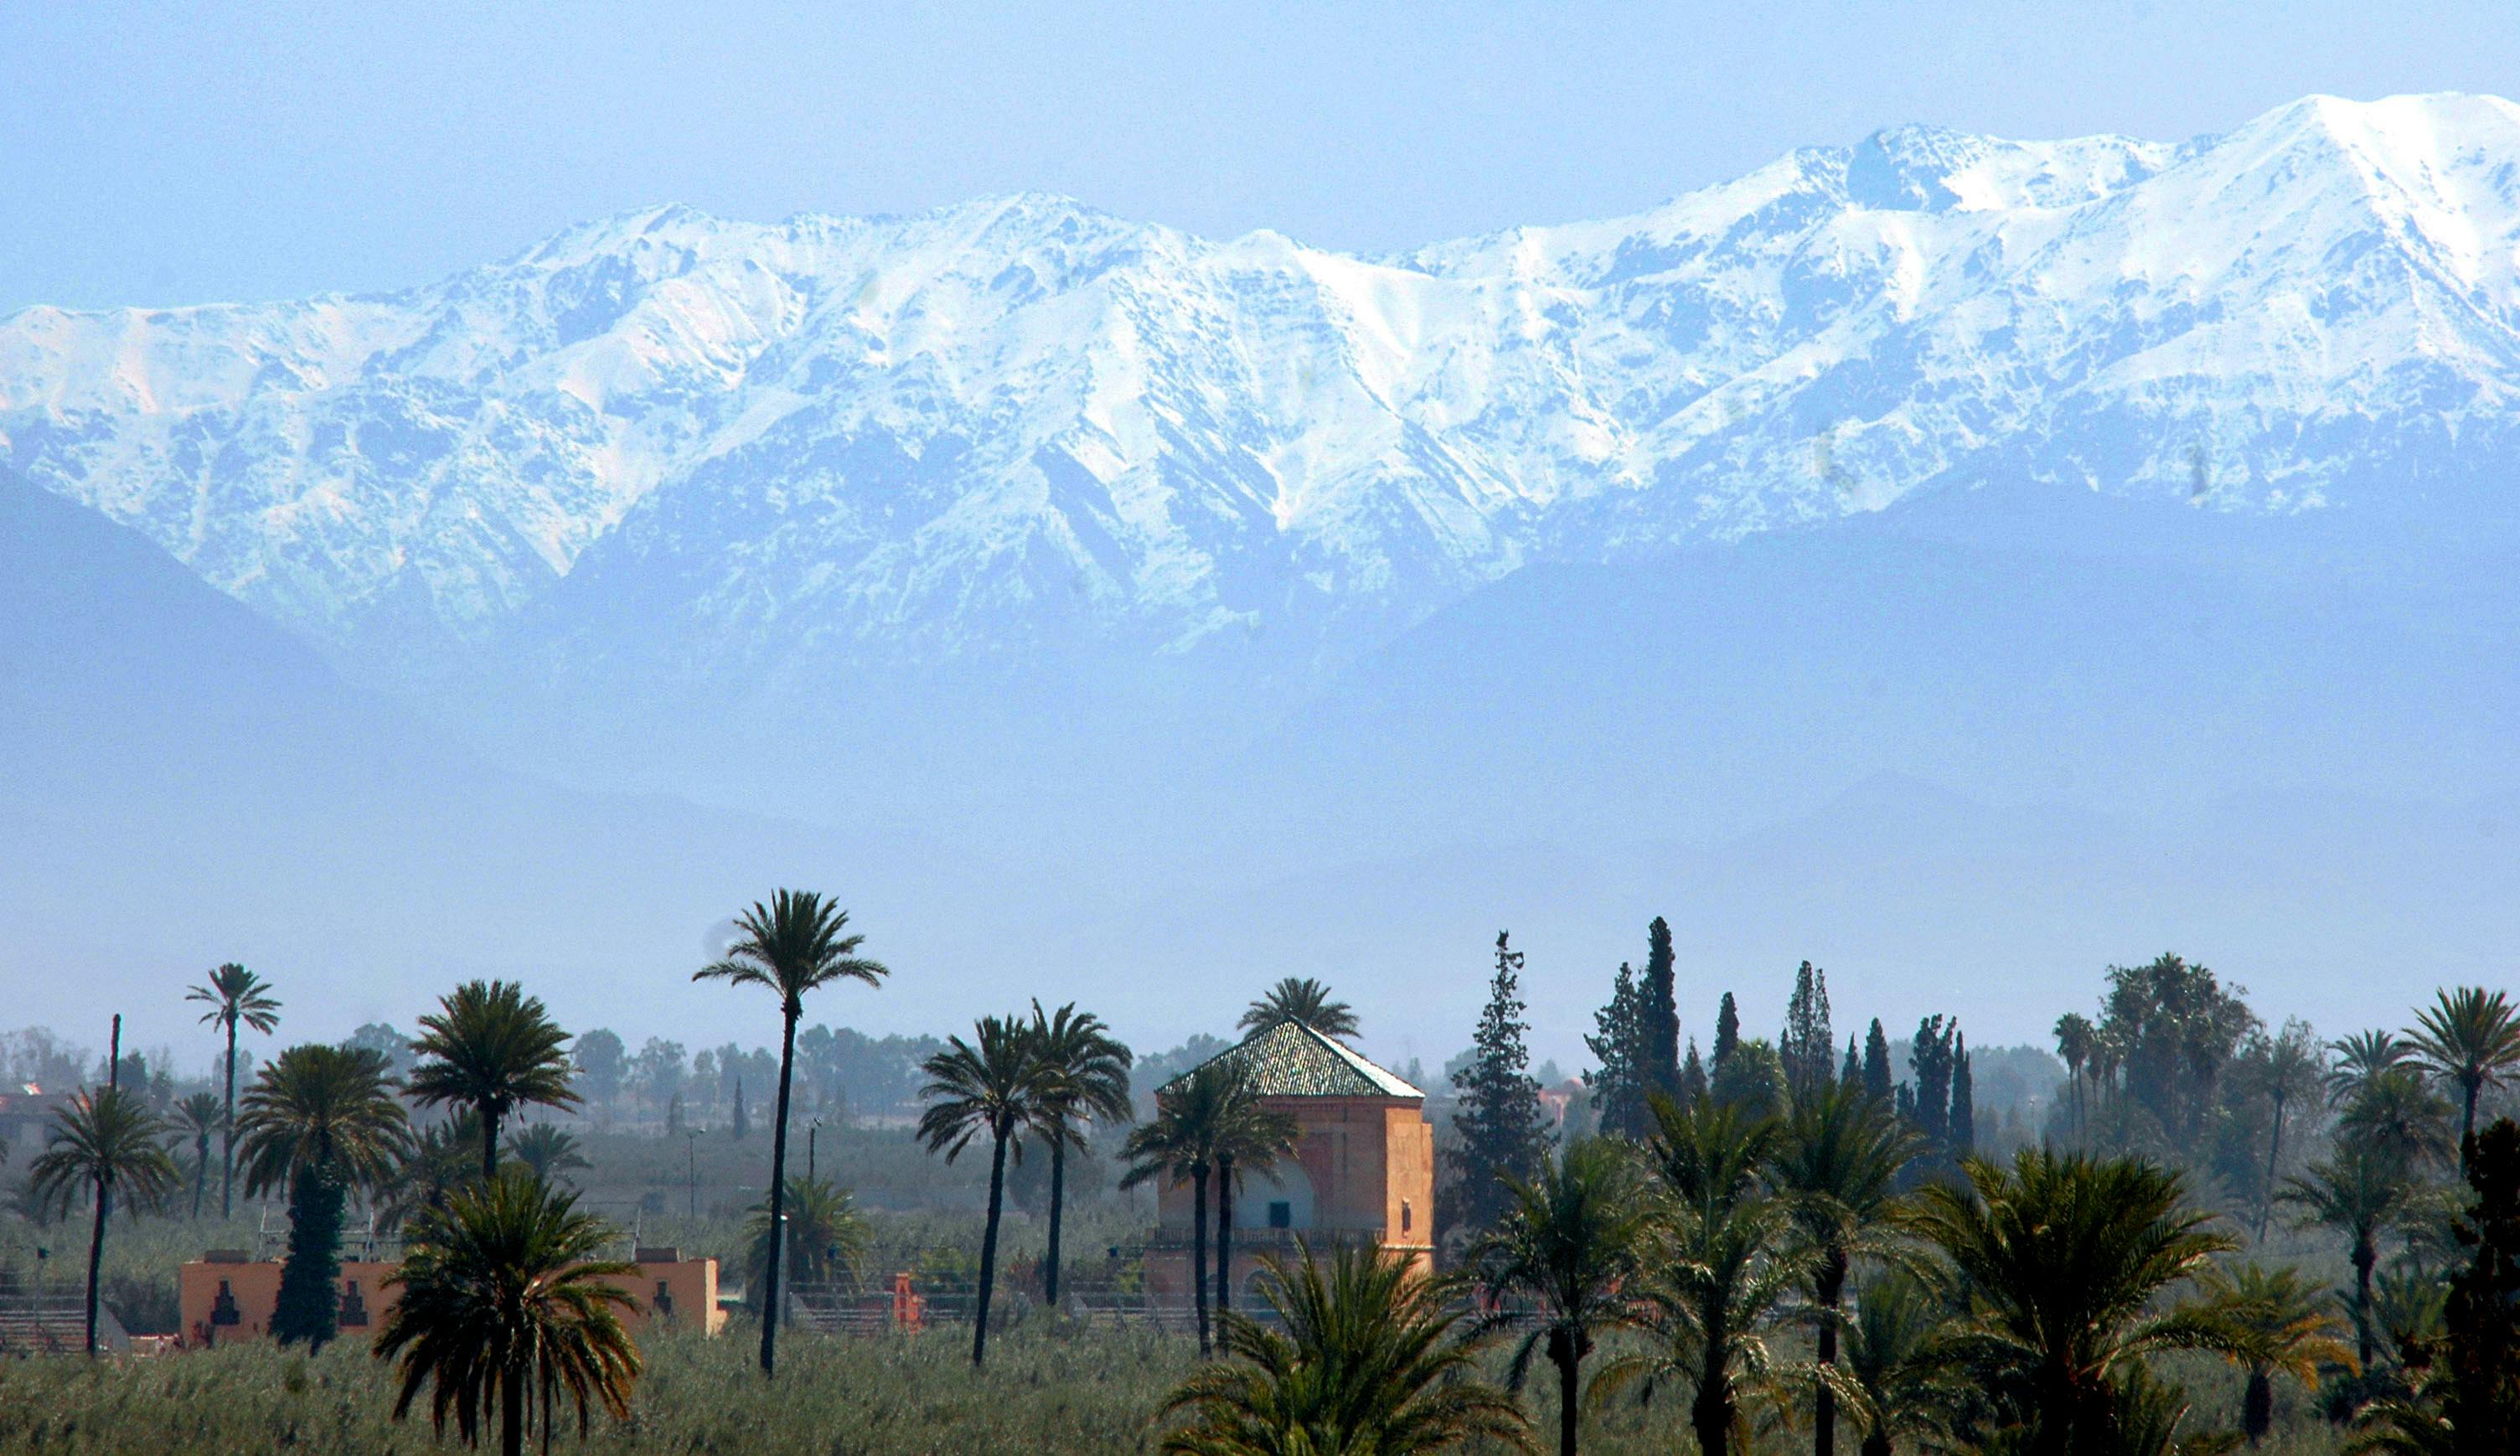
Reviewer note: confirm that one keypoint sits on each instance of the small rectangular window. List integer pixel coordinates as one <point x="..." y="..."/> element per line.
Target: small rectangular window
<point x="1282" y="1216"/>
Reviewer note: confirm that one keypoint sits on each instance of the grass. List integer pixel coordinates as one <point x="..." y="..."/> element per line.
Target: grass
<point x="1045" y="1390"/>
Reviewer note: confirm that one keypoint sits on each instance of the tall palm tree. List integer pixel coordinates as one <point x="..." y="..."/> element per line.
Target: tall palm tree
<point x="2073" y="1264"/>
<point x="2470" y="1040"/>
<point x="549" y="1152"/>
<point x="797" y="943"/>
<point x="1250" y="1138"/>
<point x="503" y="1291"/>
<point x="198" y="1118"/>
<point x="236" y="997"/>
<point x="1367" y="1361"/>
<point x="2360" y="1058"/>
<point x="989" y="1086"/>
<point x="492" y="1048"/>
<point x="1300" y="999"/>
<point x="1725" y="1266"/>
<point x="2286" y="1070"/>
<point x="1837" y="1165"/>
<point x="827" y="1237"/>
<point x="2361" y="1192"/>
<point x="1564" y="1265"/>
<point x="322" y="1120"/>
<point x="2289" y="1325"/>
<point x="1178" y="1144"/>
<point x="102" y="1142"/>
<point x="2076" y="1041"/>
<point x="2399" y="1114"/>
<point x="1085" y="1079"/>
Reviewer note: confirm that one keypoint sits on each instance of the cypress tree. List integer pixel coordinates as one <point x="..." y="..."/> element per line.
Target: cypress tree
<point x="1693" y="1078"/>
<point x="2481" y="1352"/>
<point x="1661" y="1051"/>
<point x="1501" y="1124"/>
<point x="1964" y="1139"/>
<point x="1618" y="1084"/>
<point x="742" y="1122"/>
<point x="1852" y="1073"/>
<point x="1931" y="1058"/>
<point x="1728" y="1031"/>
<point x="1807" y="1042"/>
<point x="309" y="1306"/>
<point x="1876" y="1062"/>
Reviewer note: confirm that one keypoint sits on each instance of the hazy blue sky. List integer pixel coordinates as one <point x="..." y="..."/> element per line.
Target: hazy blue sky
<point x="163" y="153"/>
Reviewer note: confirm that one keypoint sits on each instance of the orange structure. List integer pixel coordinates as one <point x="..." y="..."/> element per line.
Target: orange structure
<point x="1363" y="1169"/>
<point x="228" y="1295"/>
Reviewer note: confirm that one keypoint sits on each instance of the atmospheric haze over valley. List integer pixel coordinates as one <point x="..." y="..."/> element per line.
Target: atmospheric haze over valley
<point x="1955" y="560"/>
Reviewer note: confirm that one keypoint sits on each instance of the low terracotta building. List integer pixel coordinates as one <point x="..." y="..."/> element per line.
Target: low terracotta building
<point x="227" y="1295"/>
<point x="1363" y="1169"/>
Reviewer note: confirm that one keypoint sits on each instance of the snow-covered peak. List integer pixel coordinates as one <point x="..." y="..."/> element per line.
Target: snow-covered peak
<point x="1020" y="419"/>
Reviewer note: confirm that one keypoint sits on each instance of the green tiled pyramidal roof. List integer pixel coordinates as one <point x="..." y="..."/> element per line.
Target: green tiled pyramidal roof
<point x="1292" y="1059"/>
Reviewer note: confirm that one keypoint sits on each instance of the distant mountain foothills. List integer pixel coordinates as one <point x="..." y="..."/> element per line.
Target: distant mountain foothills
<point x="2137" y="479"/>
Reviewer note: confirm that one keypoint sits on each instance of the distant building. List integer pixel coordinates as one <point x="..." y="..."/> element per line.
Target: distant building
<point x="1363" y="1169"/>
<point x="227" y="1295"/>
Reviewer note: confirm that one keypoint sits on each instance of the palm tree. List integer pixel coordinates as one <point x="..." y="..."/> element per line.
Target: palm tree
<point x="2400" y="1115"/>
<point x="492" y="1048"/>
<point x="547" y="1152"/>
<point x="1179" y="1146"/>
<point x="198" y="1118"/>
<point x="1367" y="1362"/>
<point x="2361" y="1192"/>
<point x="1892" y="1357"/>
<point x="2076" y="1042"/>
<point x="1250" y="1138"/>
<point x="797" y="943"/>
<point x="1564" y="1265"/>
<point x="1300" y="999"/>
<point x="2073" y="1263"/>
<point x="236" y="996"/>
<point x="2286" y="1070"/>
<point x="989" y="1086"/>
<point x="321" y="1119"/>
<point x="2287" y="1323"/>
<point x="101" y="1142"/>
<point x="827" y="1238"/>
<point x="1085" y="1078"/>
<point x="2470" y="1040"/>
<point x="1725" y="1269"/>
<point x="2360" y="1058"/>
<point x="1837" y="1165"/>
<point x="502" y="1292"/>
<point x="442" y="1157"/>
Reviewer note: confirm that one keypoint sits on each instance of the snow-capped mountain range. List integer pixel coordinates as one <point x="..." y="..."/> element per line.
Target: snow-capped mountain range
<point x="1021" y="420"/>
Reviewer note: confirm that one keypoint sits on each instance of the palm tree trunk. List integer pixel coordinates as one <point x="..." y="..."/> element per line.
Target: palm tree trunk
<point x="546" y="1407"/>
<point x="227" y="1157"/>
<point x="2468" y="1125"/>
<point x="777" y="1192"/>
<point x="201" y="1174"/>
<point x="1199" y="1252"/>
<point x="96" y="1256"/>
<point x="2365" y="1257"/>
<point x="989" y="1243"/>
<point x="1563" y="1354"/>
<point x="2275" y="1152"/>
<point x="1830" y="1287"/>
<point x="511" y="1412"/>
<point x="1224" y="1235"/>
<point x="1058" y="1197"/>
<point x="489" y="1143"/>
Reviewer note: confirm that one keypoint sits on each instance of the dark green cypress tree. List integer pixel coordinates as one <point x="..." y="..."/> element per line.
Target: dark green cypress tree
<point x="1504" y="1134"/>
<point x="1660" y="1056"/>
<point x="2482" y="1353"/>
<point x="1852" y="1073"/>
<point x="1728" y="1029"/>
<point x="1931" y="1060"/>
<point x="1618" y="1084"/>
<point x="309" y="1306"/>
<point x="1876" y="1062"/>
<point x="1964" y="1119"/>
<point x="743" y="1120"/>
